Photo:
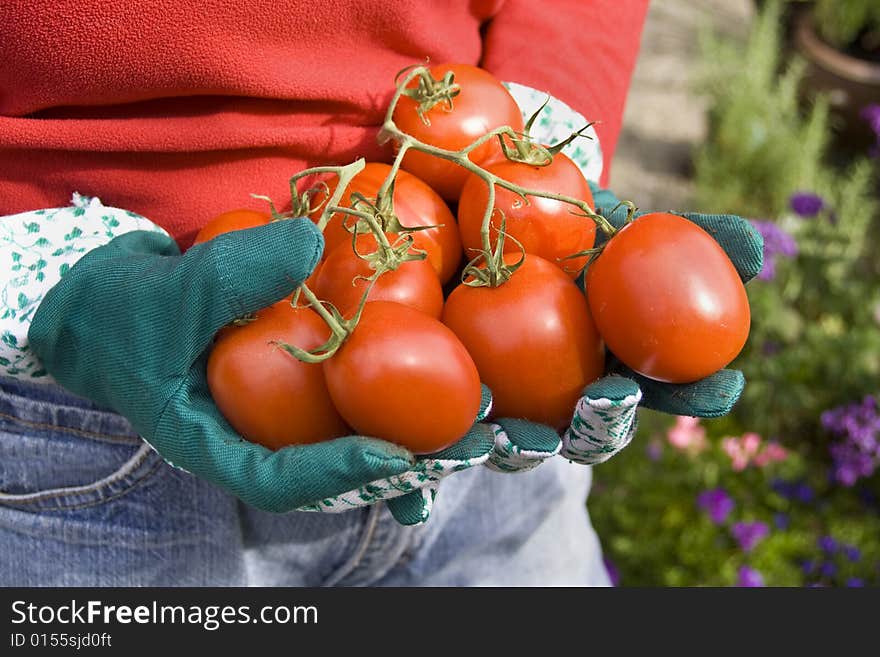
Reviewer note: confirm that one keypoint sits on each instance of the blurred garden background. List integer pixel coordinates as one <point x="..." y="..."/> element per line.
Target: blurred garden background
<point x="771" y="110"/>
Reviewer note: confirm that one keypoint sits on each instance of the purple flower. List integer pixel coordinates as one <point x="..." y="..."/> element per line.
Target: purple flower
<point x="827" y="544"/>
<point x="749" y="577"/>
<point x="808" y="566"/>
<point x="717" y="503"/>
<point x="782" y="487"/>
<point x="792" y="490"/>
<point x="857" y="455"/>
<point x="613" y="572"/>
<point x="868" y="499"/>
<point x="749" y="534"/>
<point x="806" y="204"/>
<point x="852" y="553"/>
<point x="777" y="242"/>
<point x="654" y="450"/>
<point x="803" y="492"/>
<point x="828" y="569"/>
<point x="871" y="114"/>
<point x="780" y="520"/>
<point x="855" y="582"/>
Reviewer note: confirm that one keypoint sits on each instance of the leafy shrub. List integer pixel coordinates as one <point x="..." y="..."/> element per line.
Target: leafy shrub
<point x="701" y="503"/>
<point x="684" y="516"/>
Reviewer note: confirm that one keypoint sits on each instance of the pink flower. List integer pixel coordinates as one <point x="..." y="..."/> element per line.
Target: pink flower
<point x="772" y="453"/>
<point x="734" y="449"/>
<point x="748" y="449"/>
<point x="751" y="443"/>
<point x="687" y="434"/>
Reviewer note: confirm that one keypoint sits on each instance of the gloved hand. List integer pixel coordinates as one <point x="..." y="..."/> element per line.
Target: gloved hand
<point x="129" y="327"/>
<point x="604" y="420"/>
<point x="129" y="324"/>
<point x="715" y="395"/>
<point x="605" y="417"/>
<point x="602" y="425"/>
<point x="152" y="314"/>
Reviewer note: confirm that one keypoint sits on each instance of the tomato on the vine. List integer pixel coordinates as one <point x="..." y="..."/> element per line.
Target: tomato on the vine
<point x="342" y="281"/>
<point x="415" y="205"/>
<point x="532" y="338"/>
<point x="545" y="227"/>
<point x="404" y="377"/>
<point x="230" y="221"/>
<point x="667" y="299"/>
<point x="482" y="105"/>
<point x="266" y="394"/>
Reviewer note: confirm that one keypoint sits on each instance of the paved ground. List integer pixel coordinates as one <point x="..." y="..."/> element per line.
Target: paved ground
<point x="664" y="118"/>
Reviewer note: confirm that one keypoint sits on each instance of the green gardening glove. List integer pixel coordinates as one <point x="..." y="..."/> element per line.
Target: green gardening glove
<point x="129" y="327"/>
<point x="604" y="420"/>
<point x="603" y="423"/>
<point x="715" y="395"/>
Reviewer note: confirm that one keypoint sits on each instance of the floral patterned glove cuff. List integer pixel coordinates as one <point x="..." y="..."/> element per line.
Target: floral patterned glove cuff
<point x="36" y="250"/>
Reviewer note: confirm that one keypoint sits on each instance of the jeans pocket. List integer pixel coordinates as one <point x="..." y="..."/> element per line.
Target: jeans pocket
<point x="58" y="451"/>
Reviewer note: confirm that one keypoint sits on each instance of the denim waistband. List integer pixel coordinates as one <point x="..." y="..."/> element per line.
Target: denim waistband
<point x="38" y="405"/>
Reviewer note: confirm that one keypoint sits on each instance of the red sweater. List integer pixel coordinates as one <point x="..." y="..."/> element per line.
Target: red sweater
<point x="180" y="109"/>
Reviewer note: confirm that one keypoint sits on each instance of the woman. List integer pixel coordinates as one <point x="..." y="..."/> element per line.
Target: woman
<point x="179" y="111"/>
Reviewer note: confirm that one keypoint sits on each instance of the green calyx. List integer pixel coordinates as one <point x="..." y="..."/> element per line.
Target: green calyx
<point x="301" y="205"/>
<point x="430" y="92"/>
<point x="370" y="217"/>
<point x="523" y="148"/>
<point x="489" y="268"/>
<point x="378" y="215"/>
<point x="595" y="252"/>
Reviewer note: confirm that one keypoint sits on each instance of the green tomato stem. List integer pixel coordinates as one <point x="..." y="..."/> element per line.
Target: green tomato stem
<point x="345" y="174"/>
<point x="336" y="327"/>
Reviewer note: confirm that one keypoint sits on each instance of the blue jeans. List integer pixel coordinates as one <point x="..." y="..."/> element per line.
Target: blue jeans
<point x="85" y="502"/>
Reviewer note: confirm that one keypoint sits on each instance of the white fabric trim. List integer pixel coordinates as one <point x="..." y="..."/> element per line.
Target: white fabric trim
<point x="555" y="123"/>
<point x="36" y="249"/>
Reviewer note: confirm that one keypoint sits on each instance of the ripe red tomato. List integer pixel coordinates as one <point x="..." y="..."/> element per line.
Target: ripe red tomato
<point x="667" y="300"/>
<point x="482" y="105"/>
<point x="544" y="227"/>
<point x="404" y="377"/>
<point x="267" y="395"/>
<point x="229" y="221"/>
<point x="413" y="283"/>
<point x="533" y="340"/>
<point x="415" y="204"/>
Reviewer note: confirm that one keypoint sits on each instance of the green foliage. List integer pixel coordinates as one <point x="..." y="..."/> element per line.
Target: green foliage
<point x="815" y="340"/>
<point x="656" y="534"/>
<point x="814" y="344"/>
<point x="842" y="22"/>
<point x="761" y="147"/>
<point x="815" y="337"/>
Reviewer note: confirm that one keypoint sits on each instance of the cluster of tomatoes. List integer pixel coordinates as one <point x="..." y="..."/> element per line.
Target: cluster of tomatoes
<point x="445" y="313"/>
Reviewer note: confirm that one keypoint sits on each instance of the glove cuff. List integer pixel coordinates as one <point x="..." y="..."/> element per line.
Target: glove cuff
<point x="604" y="421"/>
<point x="36" y="249"/>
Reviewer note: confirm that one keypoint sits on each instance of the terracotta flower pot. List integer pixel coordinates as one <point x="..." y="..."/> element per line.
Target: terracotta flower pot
<point x="851" y="83"/>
